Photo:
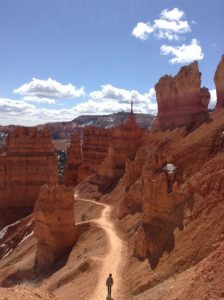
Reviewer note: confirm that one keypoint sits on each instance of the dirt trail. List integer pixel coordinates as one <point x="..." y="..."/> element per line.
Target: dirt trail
<point x="112" y="262"/>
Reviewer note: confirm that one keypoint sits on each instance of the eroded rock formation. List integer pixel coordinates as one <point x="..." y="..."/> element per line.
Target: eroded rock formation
<point x="181" y="100"/>
<point x="29" y="161"/>
<point x="124" y="142"/>
<point x="103" y="154"/>
<point x="219" y="83"/>
<point x="167" y="176"/>
<point x="54" y="225"/>
<point x="86" y="152"/>
<point x="94" y="149"/>
<point x="74" y="161"/>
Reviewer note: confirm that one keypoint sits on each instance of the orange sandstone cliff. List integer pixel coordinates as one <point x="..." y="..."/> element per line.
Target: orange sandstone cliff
<point x="167" y="177"/>
<point x="74" y="161"/>
<point x="86" y="152"/>
<point x="181" y="100"/>
<point x="94" y="150"/>
<point x="29" y="161"/>
<point x="102" y="153"/>
<point x="219" y="83"/>
<point x="124" y="142"/>
<point x="54" y="224"/>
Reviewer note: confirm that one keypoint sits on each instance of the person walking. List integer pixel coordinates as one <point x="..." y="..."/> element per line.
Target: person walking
<point x="109" y="284"/>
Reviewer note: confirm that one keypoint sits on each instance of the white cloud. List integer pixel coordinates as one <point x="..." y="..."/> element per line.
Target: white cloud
<point x="184" y="53"/>
<point x="14" y="106"/>
<point x="169" y="26"/>
<point x="172" y="26"/>
<point x="49" y="88"/>
<point x="213" y="99"/>
<point x="108" y="99"/>
<point x="11" y="110"/>
<point x="173" y="14"/>
<point x="23" y="113"/>
<point x="142" y="30"/>
<point x="117" y="99"/>
<point x="168" y="35"/>
<point x="38" y="100"/>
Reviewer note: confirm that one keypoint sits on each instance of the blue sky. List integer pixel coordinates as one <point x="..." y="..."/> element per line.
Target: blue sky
<point x="63" y="58"/>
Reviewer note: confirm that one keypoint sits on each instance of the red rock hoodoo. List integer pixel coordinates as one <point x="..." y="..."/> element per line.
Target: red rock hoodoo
<point x="94" y="150"/>
<point x="181" y="100"/>
<point x="28" y="162"/>
<point x="123" y="144"/>
<point x="86" y="153"/>
<point x="219" y="83"/>
<point x="54" y="225"/>
<point x="74" y="161"/>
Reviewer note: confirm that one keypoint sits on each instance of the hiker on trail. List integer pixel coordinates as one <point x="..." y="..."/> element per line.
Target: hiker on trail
<point x="109" y="284"/>
<point x="97" y="198"/>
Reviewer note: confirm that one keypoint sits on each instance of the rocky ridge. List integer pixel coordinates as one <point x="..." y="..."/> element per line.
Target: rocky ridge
<point x="28" y="162"/>
<point x="162" y="184"/>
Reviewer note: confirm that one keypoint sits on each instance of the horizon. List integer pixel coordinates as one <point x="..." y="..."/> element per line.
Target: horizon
<point x="63" y="60"/>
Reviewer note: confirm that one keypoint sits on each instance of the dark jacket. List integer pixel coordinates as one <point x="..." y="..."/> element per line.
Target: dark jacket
<point x="109" y="281"/>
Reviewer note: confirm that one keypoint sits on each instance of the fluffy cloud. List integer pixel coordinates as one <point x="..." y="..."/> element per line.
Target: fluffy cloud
<point x="213" y="99"/>
<point x="116" y="99"/>
<point x="11" y="110"/>
<point x="22" y="113"/>
<point x="169" y="26"/>
<point x="39" y="100"/>
<point x="173" y="14"/>
<point x="48" y="89"/>
<point x="184" y="53"/>
<point x="108" y="99"/>
<point x="10" y="106"/>
<point x="142" y="30"/>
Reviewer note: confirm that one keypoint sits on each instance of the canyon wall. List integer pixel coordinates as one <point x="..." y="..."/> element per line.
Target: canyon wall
<point x="54" y="224"/>
<point x="219" y="83"/>
<point x="181" y="100"/>
<point x="174" y="171"/>
<point x="180" y="172"/>
<point x="29" y="161"/>
<point x="74" y="161"/>
<point x="94" y="149"/>
<point x="102" y="153"/>
<point x="123" y="144"/>
<point x="86" y="152"/>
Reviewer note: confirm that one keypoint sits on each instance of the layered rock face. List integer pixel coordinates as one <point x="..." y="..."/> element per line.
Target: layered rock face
<point x="219" y="83"/>
<point x="54" y="224"/>
<point x="174" y="172"/>
<point x="28" y="162"/>
<point x="124" y="142"/>
<point x="181" y="100"/>
<point x="152" y="156"/>
<point x="102" y="153"/>
<point x="74" y="161"/>
<point x="86" y="153"/>
<point x="94" y="149"/>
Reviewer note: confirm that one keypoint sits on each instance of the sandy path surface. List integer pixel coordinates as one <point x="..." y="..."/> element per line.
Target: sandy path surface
<point x="112" y="262"/>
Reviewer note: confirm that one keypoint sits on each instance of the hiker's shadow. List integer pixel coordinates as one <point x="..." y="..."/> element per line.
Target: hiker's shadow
<point x="108" y="298"/>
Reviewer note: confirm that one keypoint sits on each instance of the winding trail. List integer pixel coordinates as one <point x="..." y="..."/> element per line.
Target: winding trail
<point x="112" y="262"/>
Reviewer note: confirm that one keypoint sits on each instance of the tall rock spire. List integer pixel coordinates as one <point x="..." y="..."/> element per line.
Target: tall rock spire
<point x="219" y="83"/>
